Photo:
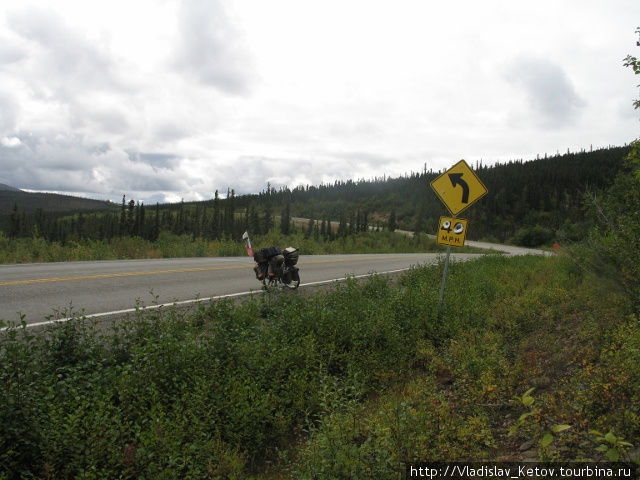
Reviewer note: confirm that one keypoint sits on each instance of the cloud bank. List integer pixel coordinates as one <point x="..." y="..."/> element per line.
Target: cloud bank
<point x="551" y="96"/>
<point x="176" y="99"/>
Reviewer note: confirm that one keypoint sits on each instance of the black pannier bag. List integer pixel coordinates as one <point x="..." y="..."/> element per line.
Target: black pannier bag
<point x="269" y="260"/>
<point x="261" y="270"/>
<point x="272" y="252"/>
<point x="290" y="256"/>
<point x="264" y="254"/>
<point x="275" y="265"/>
<point x="259" y="256"/>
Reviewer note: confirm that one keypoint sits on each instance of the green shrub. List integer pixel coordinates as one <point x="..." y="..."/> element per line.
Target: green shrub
<point x="612" y="249"/>
<point x="533" y="236"/>
<point x="367" y="372"/>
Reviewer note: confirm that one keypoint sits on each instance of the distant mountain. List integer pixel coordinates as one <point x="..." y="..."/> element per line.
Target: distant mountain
<point x="48" y="202"/>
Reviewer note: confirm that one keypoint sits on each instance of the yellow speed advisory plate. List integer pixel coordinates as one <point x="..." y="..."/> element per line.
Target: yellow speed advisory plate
<point x="452" y="231"/>
<point x="459" y="187"/>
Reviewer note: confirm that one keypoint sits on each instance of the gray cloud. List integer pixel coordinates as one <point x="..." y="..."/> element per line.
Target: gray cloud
<point x="7" y="114"/>
<point x="10" y="52"/>
<point x="549" y="91"/>
<point x="367" y="160"/>
<point x="41" y="163"/>
<point x="290" y="172"/>
<point x="63" y="60"/>
<point x="71" y="164"/>
<point x="145" y="106"/>
<point x="211" y="49"/>
<point x="157" y="160"/>
<point x="112" y="119"/>
<point x="170" y="129"/>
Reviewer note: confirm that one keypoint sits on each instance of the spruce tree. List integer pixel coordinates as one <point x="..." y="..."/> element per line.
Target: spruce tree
<point x="392" y="225"/>
<point x="254" y="221"/>
<point x="267" y="219"/>
<point x="215" y="220"/>
<point x="310" y="227"/>
<point x="123" y="217"/>
<point x="15" y="222"/>
<point x="342" y="226"/>
<point x="285" y="219"/>
<point x="131" y="217"/>
<point x="156" y="224"/>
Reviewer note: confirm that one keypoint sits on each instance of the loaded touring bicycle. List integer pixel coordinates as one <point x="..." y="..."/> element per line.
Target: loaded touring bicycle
<point x="277" y="267"/>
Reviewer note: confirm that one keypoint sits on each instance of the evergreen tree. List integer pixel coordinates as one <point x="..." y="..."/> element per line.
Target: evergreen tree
<point x="232" y="212"/>
<point x="15" y="222"/>
<point x="180" y="222"/>
<point x="156" y="224"/>
<point x="80" y="226"/>
<point x="310" y="227"/>
<point x="285" y="219"/>
<point x="419" y="226"/>
<point x="131" y="217"/>
<point x="330" y="234"/>
<point x="123" y="217"/>
<point x="215" y="220"/>
<point x="342" y="226"/>
<point x="195" y="231"/>
<point x="392" y="225"/>
<point x="139" y="221"/>
<point x="267" y="219"/>
<point x="204" y="223"/>
<point x="254" y="221"/>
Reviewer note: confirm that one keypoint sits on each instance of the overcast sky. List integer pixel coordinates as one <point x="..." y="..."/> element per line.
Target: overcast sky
<point x="162" y="100"/>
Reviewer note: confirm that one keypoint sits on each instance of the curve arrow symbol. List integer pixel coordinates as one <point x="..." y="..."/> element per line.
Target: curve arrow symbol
<point x="456" y="179"/>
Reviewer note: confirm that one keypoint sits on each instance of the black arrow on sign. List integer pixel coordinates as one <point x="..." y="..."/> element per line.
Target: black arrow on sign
<point x="456" y="179"/>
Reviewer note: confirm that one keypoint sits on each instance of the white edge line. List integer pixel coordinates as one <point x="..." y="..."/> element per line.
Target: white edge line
<point x="194" y="300"/>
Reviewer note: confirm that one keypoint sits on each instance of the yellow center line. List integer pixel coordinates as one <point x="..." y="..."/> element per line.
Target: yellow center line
<point x="116" y="275"/>
<point x="164" y="272"/>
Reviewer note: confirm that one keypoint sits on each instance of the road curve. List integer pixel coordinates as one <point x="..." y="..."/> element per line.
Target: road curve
<point x="42" y="292"/>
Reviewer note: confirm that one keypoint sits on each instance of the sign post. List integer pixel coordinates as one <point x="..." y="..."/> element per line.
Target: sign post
<point x="458" y="188"/>
<point x="444" y="278"/>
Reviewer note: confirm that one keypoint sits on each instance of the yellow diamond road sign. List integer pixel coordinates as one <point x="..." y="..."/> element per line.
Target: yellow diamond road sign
<point x="452" y="231"/>
<point x="459" y="187"/>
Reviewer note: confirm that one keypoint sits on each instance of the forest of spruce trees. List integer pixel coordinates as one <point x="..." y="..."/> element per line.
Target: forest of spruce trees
<point x="529" y="203"/>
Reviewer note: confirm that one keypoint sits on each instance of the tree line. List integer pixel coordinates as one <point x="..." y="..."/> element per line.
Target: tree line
<point x="214" y="219"/>
<point x="528" y="202"/>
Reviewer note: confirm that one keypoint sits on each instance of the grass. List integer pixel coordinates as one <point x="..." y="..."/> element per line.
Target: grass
<point x="349" y="383"/>
<point x="28" y="250"/>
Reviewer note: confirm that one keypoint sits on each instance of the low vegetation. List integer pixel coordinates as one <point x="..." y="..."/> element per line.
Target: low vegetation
<point x="168" y="245"/>
<point x="349" y="383"/>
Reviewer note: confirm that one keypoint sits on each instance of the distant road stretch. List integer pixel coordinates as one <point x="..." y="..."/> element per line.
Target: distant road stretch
<point x="45" y="292"/>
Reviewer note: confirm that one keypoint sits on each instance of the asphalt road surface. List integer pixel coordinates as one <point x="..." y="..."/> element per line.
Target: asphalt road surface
<point x="45" y="292"/>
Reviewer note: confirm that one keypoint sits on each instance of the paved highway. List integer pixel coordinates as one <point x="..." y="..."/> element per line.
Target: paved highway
<point x="46" y="291"/>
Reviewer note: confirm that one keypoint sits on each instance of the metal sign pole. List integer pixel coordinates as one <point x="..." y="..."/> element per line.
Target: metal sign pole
<point x="444" y="278"/>
<point x="458" y="188"/>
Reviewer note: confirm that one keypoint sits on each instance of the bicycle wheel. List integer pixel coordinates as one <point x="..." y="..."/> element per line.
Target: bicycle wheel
<point x="293" y="278"/>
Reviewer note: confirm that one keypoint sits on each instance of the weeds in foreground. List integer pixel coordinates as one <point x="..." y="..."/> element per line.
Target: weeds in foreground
<point x="350" y="383"/>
